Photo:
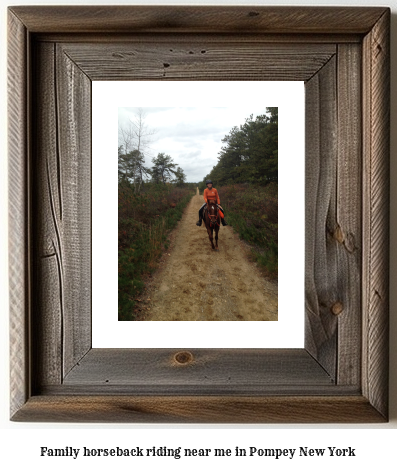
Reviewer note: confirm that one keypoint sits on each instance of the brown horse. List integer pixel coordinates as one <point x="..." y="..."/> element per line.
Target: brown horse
<point x="212" y="222"/>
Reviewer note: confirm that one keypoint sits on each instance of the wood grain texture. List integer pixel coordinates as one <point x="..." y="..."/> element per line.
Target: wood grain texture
<point x="205" y="60"/>
<point x="73" y="90"/>
<point x="48" y="296"/>
<point x="175" y="38"/>
<point x="199" y="409"/>
<point x="158" y="369"/>
<point x="347" y="225"/>
<point x="62" y="205"/>
<point x="321" y="260"/>
<point x="18" y="212"/>
<point x="338" y="378"/>
<point x="199" y="19"/>
<point x="376" y="92"/>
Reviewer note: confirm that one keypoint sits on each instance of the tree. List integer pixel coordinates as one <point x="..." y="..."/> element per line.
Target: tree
<point x="163" y="168"/>
<point x="122" y="170"/>
<point x="132" y="168"/>
<point x="134" y="139"/>
<point x="265" y="149"/>
<point x="155" y="174"/>
<point x="250" y="152"/>
<point x="180" y="177"/>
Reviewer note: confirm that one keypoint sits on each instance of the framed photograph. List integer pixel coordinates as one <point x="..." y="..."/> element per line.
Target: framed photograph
<point x="195" y="283"/>
<point x="342" y="56"/>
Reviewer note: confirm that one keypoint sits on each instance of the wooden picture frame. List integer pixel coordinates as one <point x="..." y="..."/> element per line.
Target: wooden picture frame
<point x="342" y="54"/>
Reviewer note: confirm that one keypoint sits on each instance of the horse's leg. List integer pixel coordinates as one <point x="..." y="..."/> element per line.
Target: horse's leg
<point x="216" y="237"/>
<point x="208" y="227"/>
<point x="210" y="236"/>
<point x="212" y="239"/>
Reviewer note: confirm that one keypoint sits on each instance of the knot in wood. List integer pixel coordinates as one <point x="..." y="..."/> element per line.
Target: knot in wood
<point x="337" y="308"/>
<point x="338" y="235"/>
<point x="183" y="358"/>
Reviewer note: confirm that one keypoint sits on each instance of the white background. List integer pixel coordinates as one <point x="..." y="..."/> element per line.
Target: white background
<point x="288" y="330"/>
<point x="19" y="443"/>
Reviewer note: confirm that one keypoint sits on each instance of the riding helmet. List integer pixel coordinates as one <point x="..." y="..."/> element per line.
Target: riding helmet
<point x="208" y="181"/>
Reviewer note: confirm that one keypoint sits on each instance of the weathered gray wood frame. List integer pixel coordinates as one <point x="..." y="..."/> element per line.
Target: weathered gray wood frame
<point x="342" y="54"/>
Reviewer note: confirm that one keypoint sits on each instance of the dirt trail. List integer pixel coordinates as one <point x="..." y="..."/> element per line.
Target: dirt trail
<point x="196" y="283"/>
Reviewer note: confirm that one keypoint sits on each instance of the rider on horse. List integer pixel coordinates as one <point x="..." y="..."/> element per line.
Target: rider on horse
<point x="210" y="194"/>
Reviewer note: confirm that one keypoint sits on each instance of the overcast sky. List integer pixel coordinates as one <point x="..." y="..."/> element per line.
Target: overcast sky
<point x="192" y="136"/>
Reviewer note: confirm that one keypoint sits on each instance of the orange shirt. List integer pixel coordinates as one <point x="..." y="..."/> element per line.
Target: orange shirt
<point x="211" y="195"/>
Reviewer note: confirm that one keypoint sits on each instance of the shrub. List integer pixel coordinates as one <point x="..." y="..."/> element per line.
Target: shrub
<point x="144" y="222"/>
<point x="252" y="210"/>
